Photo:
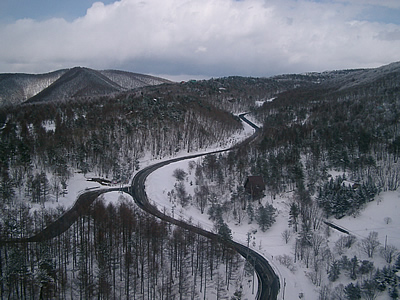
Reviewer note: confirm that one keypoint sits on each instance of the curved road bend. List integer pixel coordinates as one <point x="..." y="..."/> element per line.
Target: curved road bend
<point x="268" y="281"/>
<point x="63" y="223"/>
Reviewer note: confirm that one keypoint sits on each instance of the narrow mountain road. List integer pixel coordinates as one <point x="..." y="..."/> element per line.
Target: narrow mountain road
<point x="268" y="281"/>
<point x="63" y="223"/>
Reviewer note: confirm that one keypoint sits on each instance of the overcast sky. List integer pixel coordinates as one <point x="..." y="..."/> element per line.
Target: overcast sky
<point x="198" y="38"/>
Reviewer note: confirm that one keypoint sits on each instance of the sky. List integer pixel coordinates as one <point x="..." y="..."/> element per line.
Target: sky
<point x="199" y="38"/>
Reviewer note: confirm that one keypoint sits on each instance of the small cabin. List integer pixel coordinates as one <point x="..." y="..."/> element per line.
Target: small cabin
<point x="255" y="186"/>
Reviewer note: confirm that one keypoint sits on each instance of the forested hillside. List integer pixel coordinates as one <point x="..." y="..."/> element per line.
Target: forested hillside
<point x="78" y="83"/>
<point x="313" y="125"/>
<point x="116" y="251"/>
<point x="44" y="144"/>
<point x="342" y="123"/>
<point x="106" y="136"/>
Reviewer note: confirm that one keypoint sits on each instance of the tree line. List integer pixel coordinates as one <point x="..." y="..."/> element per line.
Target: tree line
<point x="104" y="136"/>
<point x="117" y="251"/>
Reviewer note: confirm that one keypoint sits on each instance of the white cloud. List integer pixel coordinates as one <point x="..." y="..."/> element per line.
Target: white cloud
<point x="208" y="37"/>
<point x="381" y="3"/>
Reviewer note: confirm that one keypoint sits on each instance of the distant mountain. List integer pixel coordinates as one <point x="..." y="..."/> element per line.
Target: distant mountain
<point x="17" y="88"/>
<point x="361" y="77"/>
<point x="77" y="82"/>
<point x="339" y="79"/>
<point x="130" y="80"/>
<point x="82" y="82"/>
<point x="64" y="84"/>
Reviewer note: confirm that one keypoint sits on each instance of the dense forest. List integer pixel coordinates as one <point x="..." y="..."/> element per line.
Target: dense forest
<point x="346" y="121"/>
<point x="105" y="136"/>
<point x="307" y="133"/>
<point x="116" y="251"/>
<point x="43" y="144"/>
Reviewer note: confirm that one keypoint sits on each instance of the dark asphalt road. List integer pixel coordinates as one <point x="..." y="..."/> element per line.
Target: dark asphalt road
<point x="268" y="286"/>
<point x="268" y="281"/>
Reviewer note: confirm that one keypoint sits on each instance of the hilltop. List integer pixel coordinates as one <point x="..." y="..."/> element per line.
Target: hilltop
<point x="65" y="84"/>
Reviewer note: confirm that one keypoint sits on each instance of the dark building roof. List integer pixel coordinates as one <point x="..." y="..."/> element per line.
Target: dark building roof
<point x="254" y="185"/>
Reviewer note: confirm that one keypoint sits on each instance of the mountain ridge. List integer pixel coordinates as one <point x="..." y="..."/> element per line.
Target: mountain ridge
<point x="82" y="82"/>
<point x="16" y="88"/>
<point x="77" y="82"/>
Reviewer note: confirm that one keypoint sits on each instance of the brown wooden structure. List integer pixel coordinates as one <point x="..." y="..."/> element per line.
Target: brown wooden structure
<point x="255" y="186"/>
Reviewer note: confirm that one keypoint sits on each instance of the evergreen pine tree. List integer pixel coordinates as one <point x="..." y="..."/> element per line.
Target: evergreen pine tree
<point x="397" y="264"/>
<point x="223" y="230"/>
<point x="334" y="271"/>
<point x="265" y="216"/>
<point x="352" y="291"/>
<point x="293" y="216"/>
<point x="250" y="212"/>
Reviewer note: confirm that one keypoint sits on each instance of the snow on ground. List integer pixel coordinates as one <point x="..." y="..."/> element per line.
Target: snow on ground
<point x="161" y="182"/>
<point x="49" y="126"/>
<point x="373" y="218"/>
<point x="260" y="103"/>
<point x="158" y="186"/>
<point x="269" y="243"/>
<point x="114" y="197"/>
<point x="77" y="184"/>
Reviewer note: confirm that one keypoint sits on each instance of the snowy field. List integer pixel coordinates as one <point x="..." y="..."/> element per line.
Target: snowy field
<point x="270" y="243"/>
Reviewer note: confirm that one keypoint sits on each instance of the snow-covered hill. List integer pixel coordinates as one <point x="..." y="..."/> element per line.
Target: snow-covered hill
<point x="67" y="83"/>
<point x="17" y="88"/>
<point x="129" y="80"/>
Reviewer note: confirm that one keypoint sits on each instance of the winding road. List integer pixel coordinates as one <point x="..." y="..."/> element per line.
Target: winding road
<point x="268" y="281"/>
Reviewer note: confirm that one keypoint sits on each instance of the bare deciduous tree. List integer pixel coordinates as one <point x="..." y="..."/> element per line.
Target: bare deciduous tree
<point x="388" y="253"/>
<point x="387" y="220"/>
<point x="370" y="244"/>
<point x="286" y="235"/>
<point x="316" y="243"/>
